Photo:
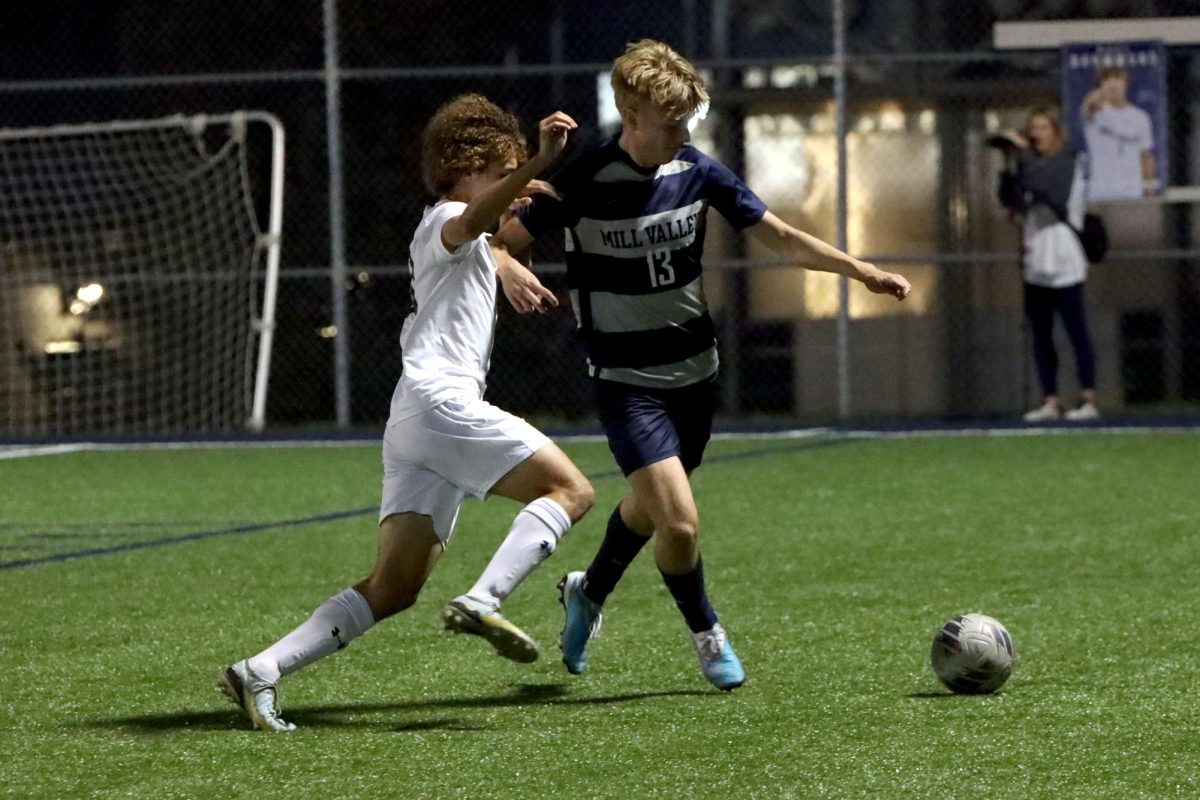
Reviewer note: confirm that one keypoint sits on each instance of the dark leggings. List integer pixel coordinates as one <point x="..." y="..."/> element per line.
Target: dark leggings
<point x="1040" y="304"/>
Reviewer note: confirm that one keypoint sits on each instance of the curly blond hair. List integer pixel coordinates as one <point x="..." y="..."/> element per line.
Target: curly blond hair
<point x="465" y="136"/>
<point x="652" y="71"/>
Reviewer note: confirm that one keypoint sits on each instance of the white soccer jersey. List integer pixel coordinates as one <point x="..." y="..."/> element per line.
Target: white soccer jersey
<point x="447" y="341"/>
<point x="1116" y="139"/>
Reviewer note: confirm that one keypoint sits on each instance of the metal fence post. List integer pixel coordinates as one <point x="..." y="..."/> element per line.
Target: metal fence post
<point x="843" y="318"/>
<point x="337" y="234"/>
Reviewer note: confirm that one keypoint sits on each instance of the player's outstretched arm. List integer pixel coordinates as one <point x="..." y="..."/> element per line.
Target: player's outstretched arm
<point x="522" y="288"/>
<point x="812" y="253"/>
<point x="513" y="236"/>
<point x="510" y="245"/>
<point x="489" y="205"/>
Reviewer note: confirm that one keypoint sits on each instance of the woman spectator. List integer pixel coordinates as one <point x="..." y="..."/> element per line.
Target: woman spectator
<point x="1044" y="182"/>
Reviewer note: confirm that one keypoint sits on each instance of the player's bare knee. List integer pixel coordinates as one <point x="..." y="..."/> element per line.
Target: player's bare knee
<point x="681" y="531"/>
<point x="581" y="497"/>
<point x="575" y="494"/>
<point x="398" y="600"/>
<point x="387" y="600"/>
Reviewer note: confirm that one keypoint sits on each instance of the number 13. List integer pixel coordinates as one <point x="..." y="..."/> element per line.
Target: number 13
<point x="661" y="271"/>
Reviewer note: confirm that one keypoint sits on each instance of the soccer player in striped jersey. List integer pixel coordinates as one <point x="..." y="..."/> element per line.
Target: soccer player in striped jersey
<point x="633" y="211"/>
<point x="443" y="440"/>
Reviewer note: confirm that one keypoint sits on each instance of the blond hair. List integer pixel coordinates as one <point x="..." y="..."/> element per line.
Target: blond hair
<point x="1051" y="116"/>
<point x="465" y="136"/>
<point x="650" y="71"/>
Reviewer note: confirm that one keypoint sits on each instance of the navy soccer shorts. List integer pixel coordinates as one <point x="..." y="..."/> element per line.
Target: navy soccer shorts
<point x="648" y="425"/>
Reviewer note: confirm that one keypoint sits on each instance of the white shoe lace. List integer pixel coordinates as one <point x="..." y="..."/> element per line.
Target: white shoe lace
<point x="710" y="643"/>
<point x="267" y="707"/>
<point x="594" y="625"/>
<point x="264" y="698"/>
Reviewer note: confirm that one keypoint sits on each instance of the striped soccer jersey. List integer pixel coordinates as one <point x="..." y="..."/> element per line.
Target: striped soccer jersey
<point x="634" y="239"/>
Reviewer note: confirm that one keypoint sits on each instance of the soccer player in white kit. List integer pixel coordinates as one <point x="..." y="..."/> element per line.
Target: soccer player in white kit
<point x="443" y="441"/>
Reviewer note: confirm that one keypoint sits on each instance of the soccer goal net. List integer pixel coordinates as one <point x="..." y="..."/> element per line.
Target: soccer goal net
<point x="138" y="271"/>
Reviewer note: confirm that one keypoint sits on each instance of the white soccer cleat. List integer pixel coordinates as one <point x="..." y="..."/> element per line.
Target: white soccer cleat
<point x="464" y="615"/>
<point x="255" y="696"/>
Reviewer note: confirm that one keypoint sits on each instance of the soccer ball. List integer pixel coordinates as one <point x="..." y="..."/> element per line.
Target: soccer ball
<point x="972" y="654"/>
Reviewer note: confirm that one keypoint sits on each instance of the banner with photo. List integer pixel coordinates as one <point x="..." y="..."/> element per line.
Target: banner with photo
<point x="1115" y="108"/>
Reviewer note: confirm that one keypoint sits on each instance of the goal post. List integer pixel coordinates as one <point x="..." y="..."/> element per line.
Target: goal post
<point x="139" y="266"/>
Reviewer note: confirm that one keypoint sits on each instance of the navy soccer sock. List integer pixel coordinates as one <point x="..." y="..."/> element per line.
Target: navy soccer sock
<point x="690" y="597"/>
<point x="620" y="546"/>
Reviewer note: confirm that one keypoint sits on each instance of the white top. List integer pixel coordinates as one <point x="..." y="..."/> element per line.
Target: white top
<point x="1116" y="139"/>
<point x="1053" y="255"/>
<point x="447" y="341"/>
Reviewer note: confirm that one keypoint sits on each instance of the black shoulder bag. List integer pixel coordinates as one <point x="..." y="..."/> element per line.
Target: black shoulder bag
<point x="1093" y="235"/>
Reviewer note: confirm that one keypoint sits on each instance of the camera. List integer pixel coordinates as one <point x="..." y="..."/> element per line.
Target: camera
<point x="1001" y="141"/>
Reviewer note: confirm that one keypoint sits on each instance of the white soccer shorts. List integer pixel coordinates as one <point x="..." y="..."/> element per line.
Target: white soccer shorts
<point x="433" y="460"/>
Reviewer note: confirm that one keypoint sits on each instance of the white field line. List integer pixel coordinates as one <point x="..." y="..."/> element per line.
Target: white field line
<point x="34" y="451"/>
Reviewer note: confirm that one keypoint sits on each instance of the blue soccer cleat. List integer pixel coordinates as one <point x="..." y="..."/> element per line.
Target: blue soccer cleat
<point x="718" y="662"/>
<point x="581" y="624"/>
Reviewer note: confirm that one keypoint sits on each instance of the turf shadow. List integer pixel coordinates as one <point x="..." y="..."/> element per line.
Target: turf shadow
<point x="938" y="695"/>
<point x="345" y="715"/>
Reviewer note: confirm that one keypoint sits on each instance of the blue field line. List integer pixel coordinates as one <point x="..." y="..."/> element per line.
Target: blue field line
<point x="237" y="530"/>
<point x="798" y="439"/>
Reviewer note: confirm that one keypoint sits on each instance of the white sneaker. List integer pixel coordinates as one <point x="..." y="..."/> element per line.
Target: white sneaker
<point x="1085" y="411"/>
<point x="1046" y="412"/>
<point x="255" y="696"/>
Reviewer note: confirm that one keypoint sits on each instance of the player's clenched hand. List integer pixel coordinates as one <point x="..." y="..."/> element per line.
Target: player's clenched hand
<point x="1093" y="102"/>
<point x="525" y="198"/>
<point x="552" y="135"/>
<point x="539" y="187"/>
<point x="522" y="288"/>
<point x="892" y="283"/>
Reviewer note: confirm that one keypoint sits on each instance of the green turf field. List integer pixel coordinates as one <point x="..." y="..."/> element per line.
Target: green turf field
<point x="830" y="562"/>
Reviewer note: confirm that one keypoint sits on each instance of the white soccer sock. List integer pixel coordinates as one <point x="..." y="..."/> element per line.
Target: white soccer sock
<point x="533" y="536"/>
<point x="339" y="619"/>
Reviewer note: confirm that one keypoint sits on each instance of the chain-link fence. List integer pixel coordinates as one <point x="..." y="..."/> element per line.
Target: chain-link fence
<point x="924" y="89"/>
